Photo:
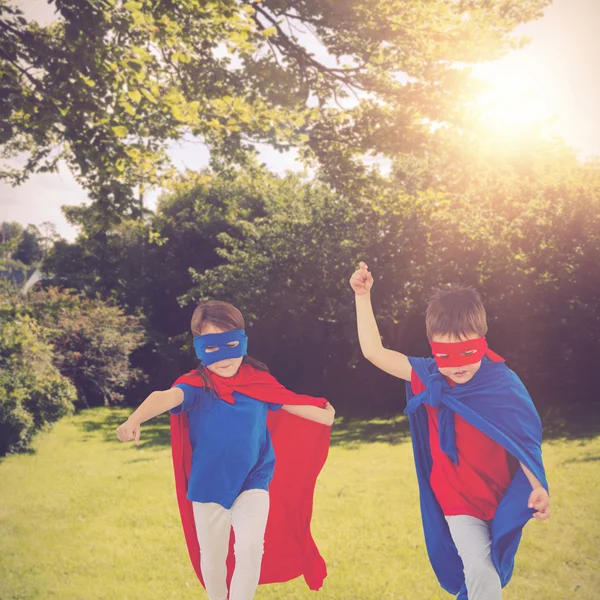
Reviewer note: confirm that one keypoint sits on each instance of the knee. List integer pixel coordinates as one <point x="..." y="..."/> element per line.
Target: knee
<point x="481" y="575"/>
<point x="212" y="563"/>
<point x="213" y="559"/>
<point x="249" y="552"/>
<point x="481" y="565"/>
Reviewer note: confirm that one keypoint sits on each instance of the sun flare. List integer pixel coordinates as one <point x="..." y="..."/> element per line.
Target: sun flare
<point x="514" y="102"/>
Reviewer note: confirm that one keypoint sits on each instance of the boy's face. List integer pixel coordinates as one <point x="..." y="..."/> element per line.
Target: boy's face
<point x="458" y="374"/>
<point x="223" y="368"/>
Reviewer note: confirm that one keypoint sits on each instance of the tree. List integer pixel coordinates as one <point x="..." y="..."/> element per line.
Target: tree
<point x="520" y="223"/>
<point x="29" y="250"/>
<point x="20" y="251"/>
<point x="145" y="264"/>
<point x="288" y="272"/>
<point x="108" y="84"/>
<point x="521" y="226"/>
<point x="10" y="236"/>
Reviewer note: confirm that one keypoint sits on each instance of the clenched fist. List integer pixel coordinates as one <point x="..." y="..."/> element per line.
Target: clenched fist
<point x="540" y="501"/>
<point x="362" y="280"/>
<point x="129" y="431"/>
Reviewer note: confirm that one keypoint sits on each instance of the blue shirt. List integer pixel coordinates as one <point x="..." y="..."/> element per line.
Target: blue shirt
<point x="231" y="445"/>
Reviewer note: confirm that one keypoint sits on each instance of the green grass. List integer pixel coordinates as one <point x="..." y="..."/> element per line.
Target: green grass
<point x="86" y="517"/>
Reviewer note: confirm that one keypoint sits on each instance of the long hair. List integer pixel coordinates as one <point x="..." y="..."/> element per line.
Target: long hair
<point x="225" y="316"/>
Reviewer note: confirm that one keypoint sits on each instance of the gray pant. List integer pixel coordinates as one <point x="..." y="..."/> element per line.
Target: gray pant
<point x="473" y="542"/>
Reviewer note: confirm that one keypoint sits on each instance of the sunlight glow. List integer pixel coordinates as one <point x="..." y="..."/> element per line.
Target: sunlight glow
<point x="514" y="102"/>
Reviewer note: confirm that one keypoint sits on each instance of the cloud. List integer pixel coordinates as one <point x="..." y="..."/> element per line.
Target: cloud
<point x="39" y="199"/>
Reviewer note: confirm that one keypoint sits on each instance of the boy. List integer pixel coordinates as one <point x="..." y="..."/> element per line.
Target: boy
<point x="476" y="440"/>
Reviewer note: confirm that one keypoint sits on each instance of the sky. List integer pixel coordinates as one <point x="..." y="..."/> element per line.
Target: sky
<point x="556" y="75"/>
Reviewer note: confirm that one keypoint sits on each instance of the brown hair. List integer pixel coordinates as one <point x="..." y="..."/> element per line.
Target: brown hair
<point x="225" y="316"/>
<point x="456" y="311"/>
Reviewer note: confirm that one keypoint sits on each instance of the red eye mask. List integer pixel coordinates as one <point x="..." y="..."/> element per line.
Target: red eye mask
<point x="456" y="352"/>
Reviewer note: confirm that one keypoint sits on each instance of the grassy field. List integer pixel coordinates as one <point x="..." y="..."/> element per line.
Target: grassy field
<point x="86" y="517"/>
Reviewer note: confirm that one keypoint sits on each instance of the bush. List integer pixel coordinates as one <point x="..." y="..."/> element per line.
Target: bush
<point x="92" y="341"/>
<point x="33" y="393"/>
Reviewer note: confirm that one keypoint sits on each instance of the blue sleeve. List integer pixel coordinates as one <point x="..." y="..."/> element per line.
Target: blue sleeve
<point x="273" y="406"/>
<point x="423" y="366"/>
<point x="189" y="398"/>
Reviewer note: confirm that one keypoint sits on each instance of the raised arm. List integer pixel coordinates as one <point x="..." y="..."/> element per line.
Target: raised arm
<point x="155" y="404"/>
<point x="390" y="361"/>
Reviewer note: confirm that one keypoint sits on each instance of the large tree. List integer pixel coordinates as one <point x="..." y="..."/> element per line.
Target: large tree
<point x="108" y="84"/>
<point x="521" y="225"/>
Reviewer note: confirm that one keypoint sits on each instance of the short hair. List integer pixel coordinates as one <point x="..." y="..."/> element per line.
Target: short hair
<point x="456" y="311"/>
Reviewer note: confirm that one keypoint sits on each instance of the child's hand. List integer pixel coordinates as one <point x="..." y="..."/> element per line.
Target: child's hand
<point x="331" y="413"/>
<point x="540" y="500"/>
<point x="319" y="414"/>
<point x="361" y="281"/>
<point x="128" y="431"/>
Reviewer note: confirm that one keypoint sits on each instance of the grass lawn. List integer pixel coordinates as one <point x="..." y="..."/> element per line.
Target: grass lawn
<point x="86" y="517"/>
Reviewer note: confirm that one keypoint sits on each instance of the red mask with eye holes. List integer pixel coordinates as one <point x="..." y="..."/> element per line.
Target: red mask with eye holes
<point x="456" y="352"/>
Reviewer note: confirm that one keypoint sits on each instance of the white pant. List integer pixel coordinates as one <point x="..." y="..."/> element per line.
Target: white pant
<point x="473" y="541"/>
<point x="248" y="516"/>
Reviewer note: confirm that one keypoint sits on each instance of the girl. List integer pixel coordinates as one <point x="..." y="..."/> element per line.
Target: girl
<point x="224" y="456"/>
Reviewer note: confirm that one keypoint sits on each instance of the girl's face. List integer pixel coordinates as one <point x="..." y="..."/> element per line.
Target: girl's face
<point x="223" y="368"/>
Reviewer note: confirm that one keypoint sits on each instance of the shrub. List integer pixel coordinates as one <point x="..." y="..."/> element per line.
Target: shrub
<point x="92" y="341"/>
<point x="33" y="393"/>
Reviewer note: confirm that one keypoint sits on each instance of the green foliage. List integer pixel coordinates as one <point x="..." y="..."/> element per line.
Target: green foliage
<point x="522" y="223"/>
<point x="288" y="273"/>
<point x="10" y="236"/>
<point x="108" y="85"/>
<point x="92" y="340"/>
<point x="58" y="348"/>
<point x="33" y="393"/>
<point x="23" y="248"/>
<point x="13" y="273"/>
<point x="146" y="264"/>
<point x="519" y="221"/>
<point x="523" y="230"/>
<point x="29" y="250"/>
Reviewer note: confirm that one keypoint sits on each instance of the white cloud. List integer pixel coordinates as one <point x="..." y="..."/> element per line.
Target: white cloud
<point x="39" y="199"/>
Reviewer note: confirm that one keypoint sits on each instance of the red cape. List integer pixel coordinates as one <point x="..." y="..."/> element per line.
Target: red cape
<point x="301" y="448"/>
